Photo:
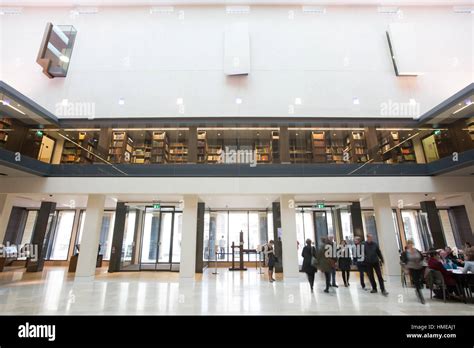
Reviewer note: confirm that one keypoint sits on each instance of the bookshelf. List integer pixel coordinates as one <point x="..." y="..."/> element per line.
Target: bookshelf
<point x="142" y="153"/>
<point x="75" y="154"/>
<point x="275" y="146"/>
<point x="318" y="144"/>
<point x="263" y="153"/>
<point x="159" y="147"/>
<point x="202" y="147"/>
<point x="5" y="123"/>
<point x="121" y="148"/>
<point x="214" y="154"/>
<point x="392" y="153"/>
<point x="299" y="153"/>
<point x="335" y="150"/>
<point x="178" y="152"/>
<point x="356" y="147"/>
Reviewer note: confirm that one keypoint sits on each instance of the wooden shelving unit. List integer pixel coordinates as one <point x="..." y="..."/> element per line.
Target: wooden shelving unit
<point x="318" y="144"/>
<point x="121" y="148"/>
<point x="300" y="153"/>
<point x="214" y="154"/>
<point x="75" y="154"/>
<point x="5" y="123"/>
<point x="392" y="153"/>
<point x="202" y="147"/>
<point x="335" y="150"/>
<point x="159" y="147"/>
<point x="142" y="153"/>
<point x="178" y="152"/>
<point x="263" y="153"/>
<point x="357" y="147"/>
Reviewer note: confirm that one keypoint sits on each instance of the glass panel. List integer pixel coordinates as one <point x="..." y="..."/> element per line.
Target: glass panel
<point x="397" y="230"/>
<point x="269" y="226"/>
<point x="129" y="233"/>
<point x="329" y="219"/>
<point x="219" y="235"/>
<point x="29" y="226"/>
<point x="254" y="233"/>
<point x="178" y="223"/>
<point x="300" y="234"/>
<point x="106" y="234"/>
<point x="447" y="228"/>
<point x="411" y="227"/>
<point x="238" y="222"/>
<point x="150" y="237"/>
<point x="164" y="244"/>
<point x="368" y="221"/>
<point x="205" y="249"/>
<point x="346" y="225"/>
<point x="425" y="231"/>
<point x="62" y="235"/>
<point x="321" y="225"/>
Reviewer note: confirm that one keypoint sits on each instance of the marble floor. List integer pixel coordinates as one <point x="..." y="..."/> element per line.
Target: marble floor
<point x="228" y="293"/>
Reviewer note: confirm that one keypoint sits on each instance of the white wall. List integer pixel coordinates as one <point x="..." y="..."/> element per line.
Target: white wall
<point x="152" y="59"/>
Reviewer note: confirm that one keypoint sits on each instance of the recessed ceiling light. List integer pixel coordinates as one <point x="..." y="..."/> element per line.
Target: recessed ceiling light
<point x="64" y="102"/>
<point x="296" y="134"/>
<point x="298" y="101"/>
<point x="412" y="101"/>
<point x="258" y="134"/>
<point x="121" y="101"/>
<point x="334" y="134"/>
<point x="179" y="101"/>
<point x="218" y="134"/>
<point x="355" y="101"/>
<point x="238" y="100"/>
<point x="179" y="134"/>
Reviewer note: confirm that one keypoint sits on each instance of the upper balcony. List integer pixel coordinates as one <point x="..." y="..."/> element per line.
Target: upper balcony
<point x="33" y="140"/>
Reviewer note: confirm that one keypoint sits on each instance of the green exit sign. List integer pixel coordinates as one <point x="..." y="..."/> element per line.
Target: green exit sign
<point x="320" y="205"/>
<point x="156" y="206"/>
<point x="437" y="132"/>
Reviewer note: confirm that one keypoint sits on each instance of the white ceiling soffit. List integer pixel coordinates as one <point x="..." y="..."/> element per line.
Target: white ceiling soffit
<point x="73" y="3"/>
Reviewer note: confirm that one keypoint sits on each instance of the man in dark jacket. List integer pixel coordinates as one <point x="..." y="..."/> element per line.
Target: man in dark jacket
<point x="359" y="259"/>
<point x="373" y="257"/>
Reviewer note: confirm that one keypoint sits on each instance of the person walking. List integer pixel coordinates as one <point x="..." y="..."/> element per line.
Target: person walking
<point x="344" y="254"/>
<point x="413" y="260"/>
<point x="222" y="245"/>
<point x="324" y="262"/>
<point x="358" y="254"/>
<point x="270" y="255"/>
<point x="309" y="255"/>
<point x="334" y="261"/>
<point x="373" y="258"/>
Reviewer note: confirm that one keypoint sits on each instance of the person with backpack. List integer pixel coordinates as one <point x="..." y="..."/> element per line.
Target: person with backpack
<point x="309" y="262"/>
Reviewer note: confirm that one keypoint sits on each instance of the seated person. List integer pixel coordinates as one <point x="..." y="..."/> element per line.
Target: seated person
<point x="468" y="260"/>
<point x="450" y="255"/>
<point x="445" y="260"/>
<point x="434" y="262"/>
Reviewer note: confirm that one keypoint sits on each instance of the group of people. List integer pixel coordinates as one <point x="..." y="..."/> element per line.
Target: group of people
<point x="441" y="260"/>
<point x="367" y="258"/>
<point x="365" y="255"/>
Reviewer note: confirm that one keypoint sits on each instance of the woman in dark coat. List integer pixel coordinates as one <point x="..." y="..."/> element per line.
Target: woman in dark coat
<point x="308" y="253"/>
<point x="325" y="262"/>
<point x="345" y="262"/>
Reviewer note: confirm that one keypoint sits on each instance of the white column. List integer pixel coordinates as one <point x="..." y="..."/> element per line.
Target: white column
<point x="468" y="199"/>
<point x="288" y="238"/>
<point x="386" y="233"/>
<point x="6" y="205"/>
<point x="187" y="267"/>
<point x="90" y="238"/>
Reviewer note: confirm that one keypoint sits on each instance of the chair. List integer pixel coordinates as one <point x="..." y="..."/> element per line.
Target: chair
<point x="436" y="281"/>
<point x="404" y="275"/>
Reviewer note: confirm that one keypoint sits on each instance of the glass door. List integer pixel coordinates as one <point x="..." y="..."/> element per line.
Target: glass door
<point x="161" y="239"/>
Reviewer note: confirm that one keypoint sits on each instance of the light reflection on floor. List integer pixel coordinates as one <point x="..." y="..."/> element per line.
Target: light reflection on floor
<point x="55" y="292"/>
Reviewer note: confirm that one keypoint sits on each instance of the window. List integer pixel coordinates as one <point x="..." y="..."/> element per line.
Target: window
<point x="60" y="239"/>
<point x="106" y="232"/>
<point x="346" y="225"/>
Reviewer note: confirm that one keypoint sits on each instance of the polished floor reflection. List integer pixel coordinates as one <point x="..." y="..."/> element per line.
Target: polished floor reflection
<point x="228" y="293"/>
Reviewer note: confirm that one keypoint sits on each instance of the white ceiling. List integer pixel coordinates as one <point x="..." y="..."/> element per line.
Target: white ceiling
<point x="230" y="2"/>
